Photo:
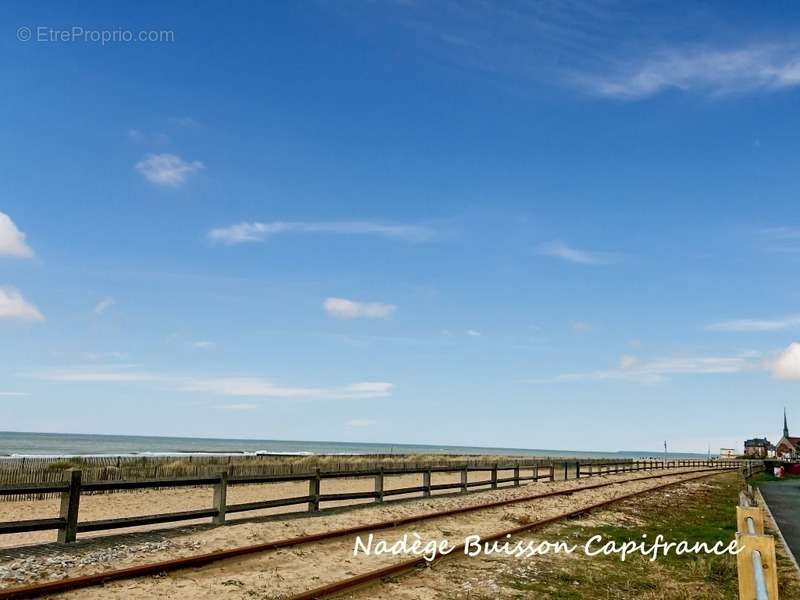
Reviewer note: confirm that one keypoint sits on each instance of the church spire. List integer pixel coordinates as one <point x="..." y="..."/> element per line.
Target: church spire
<point x="785" y="425"/>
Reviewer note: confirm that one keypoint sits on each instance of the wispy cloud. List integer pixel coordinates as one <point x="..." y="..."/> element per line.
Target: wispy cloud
<point x="580" y="326"/>
<point x="578" y="45"/>
<point x="167" y="169"/>
<point x="102" y="356"/>
<point x="12" y="240"/>
<point x="14" y="306"/>
<point x="256" y="232"/>
<point x="255" y="387"/>
<point x="186" y="122"/>
<point x="756" y="325"/>
<point x="558" y="249"/>
<point x="473" y="333"/>
<point x="142" y="137"/>
<point x="361" y="422"/>
<point x="103" y="305"/>
<point x="633" y="370"/>
<point x="204" y="345"/>
<point x="116" y="373"/>
<point x="342" y="308"/>
<point x="237" y="407"/>
<point x="708" y="70"/>
<point x="780" y="240"/>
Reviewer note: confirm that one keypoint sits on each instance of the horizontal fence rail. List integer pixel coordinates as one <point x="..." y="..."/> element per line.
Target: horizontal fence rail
<point x="70" y="491"/>
<point x="610" y="468"/>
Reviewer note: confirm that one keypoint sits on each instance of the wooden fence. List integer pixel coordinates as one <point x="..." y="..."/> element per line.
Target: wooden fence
<point x="71" y="490"/>
<point x="68" y="525"/>
<point x="592" y="469"/>
<point x="41" y="470"/>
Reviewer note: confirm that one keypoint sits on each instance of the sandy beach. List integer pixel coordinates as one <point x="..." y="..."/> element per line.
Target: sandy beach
<point x="144" y="502"/>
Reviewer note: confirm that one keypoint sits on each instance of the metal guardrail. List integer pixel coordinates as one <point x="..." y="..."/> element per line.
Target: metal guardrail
<point x="756" y="565"/>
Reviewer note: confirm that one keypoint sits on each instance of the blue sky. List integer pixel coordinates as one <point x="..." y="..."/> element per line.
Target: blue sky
<point x="553" y="226"/>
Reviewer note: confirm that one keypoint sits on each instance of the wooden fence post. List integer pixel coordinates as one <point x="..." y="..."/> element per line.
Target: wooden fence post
<point x="426" y="484"/>
<point x="379" y="485"/>
<point x="577" y="469"/>
<point x="565" y="470"/>
<point x="70" y="504"/>
<point x="536" y="473"/>
<point x="220" y="498"/>
<point x="313" y="492"/>
<point x="516" y="475"/>
<point x="494" y="476"/>
<point x="464" y="478"/>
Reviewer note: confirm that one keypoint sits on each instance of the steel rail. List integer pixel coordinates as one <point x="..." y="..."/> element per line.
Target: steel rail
<point x="330" y="589"/>
<point x="72" y="583"/>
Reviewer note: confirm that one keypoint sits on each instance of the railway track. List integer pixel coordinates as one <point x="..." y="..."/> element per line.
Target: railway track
<point x="413" y="564"/>
<point x="160" y="567"/>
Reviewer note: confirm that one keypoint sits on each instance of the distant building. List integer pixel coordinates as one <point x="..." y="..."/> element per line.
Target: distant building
<point x="727" y="453"/>
<point x="787" y="446"/>
<point x="758" y="448"/>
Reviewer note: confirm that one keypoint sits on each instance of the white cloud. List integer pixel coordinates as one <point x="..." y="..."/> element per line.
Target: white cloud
<point x="187" y="122"/>
<point x="167" y="169"/>
<point x="224" y="386"/>
<point x="755" y="325"/>
<point x="118" y="373"/>
<point x="717" y="72"/>
<point x="787" y="365"/>
<point x="558" y="249"/>
<point x="101" y="356"/>
<point x="12" y="240"/>
<point x="350" y="309"/>
<point x="204" y="345"/>
<point x="254" y="232"/>
<point x="103" y="305"/>
<point x="237" y="407"/>
<point x="659" y="370"/>
<point x="14" y="306"/>
<point x="361" y="423"/>
<point x="257" y="387"/>
<point x="780" y="240"/>
<point x="473" y="333"/>
<point x="139" y="136"/>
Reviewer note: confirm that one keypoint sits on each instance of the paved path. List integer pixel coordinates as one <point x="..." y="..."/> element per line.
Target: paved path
<point x="783" y="498"/>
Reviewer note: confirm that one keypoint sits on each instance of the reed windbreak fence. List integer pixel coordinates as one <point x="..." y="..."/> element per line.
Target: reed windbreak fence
<point x="48" y="470"/>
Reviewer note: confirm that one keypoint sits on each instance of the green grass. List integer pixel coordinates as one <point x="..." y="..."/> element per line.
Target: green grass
<point x="766" y="476"/>
<point x="708" y="514"/>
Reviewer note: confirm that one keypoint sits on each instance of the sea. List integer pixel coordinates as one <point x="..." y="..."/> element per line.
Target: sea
<point x="19" y="444"/>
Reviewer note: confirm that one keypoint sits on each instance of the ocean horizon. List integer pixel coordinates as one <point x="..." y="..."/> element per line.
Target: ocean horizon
<point x="15" y="444"/>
